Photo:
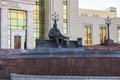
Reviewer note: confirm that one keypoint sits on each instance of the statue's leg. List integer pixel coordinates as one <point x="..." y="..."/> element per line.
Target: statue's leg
<point x="67" y="42"/>
<point x="58" y="43"/>
<point x="61" y="42"/>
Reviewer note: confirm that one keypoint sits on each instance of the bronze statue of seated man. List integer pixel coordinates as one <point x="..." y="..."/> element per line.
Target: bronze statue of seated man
<point x="56" y="35"/>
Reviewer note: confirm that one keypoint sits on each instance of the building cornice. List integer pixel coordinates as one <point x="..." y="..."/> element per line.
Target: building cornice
<point x="30" y="2"/>
<point x="17" y="4"/>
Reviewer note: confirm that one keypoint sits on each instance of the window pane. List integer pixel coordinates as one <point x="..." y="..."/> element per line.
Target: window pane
<point x="14" y="22"/>
<point x="20" y="16"/>
<point x="13" y="15"/>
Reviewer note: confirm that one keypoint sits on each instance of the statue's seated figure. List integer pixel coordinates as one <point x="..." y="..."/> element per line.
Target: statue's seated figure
<point x="56" y="35"/>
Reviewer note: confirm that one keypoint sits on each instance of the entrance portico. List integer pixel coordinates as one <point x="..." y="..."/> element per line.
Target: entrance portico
<point x="5" y="6"/>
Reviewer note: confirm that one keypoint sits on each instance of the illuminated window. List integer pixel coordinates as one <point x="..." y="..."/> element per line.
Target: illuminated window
<point x="39" y="22"/>
<point x="16" y="20"/>
<point x="118" y="34"/>
<point x="102" y="34"/>
<point x="87" y="35"/>
<point x="65" y="17"/>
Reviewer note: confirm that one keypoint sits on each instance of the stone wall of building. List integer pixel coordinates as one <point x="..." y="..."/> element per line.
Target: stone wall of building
<point x="95" y="22"/>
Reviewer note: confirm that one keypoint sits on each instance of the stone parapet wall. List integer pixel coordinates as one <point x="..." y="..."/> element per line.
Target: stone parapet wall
<point x="64" y="66"/>
<point x="61" y="62"/>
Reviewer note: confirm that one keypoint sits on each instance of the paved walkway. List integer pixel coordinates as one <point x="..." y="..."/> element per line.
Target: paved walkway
<point x="31" y="77"/>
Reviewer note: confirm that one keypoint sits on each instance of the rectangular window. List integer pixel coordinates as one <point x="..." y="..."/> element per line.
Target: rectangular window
<point x="87" y="35"/>
<point x="39" y="21"/>
<point x="102" y="34"/>
<point x="118" y="34"/>
<point x="65" y="22"/>
<point x="16" y="20"/>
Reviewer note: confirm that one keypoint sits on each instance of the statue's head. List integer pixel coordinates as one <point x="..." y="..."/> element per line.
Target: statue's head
<point x="55" y="19"/>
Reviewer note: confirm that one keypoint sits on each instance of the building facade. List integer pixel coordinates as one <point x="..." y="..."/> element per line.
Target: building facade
<point x="23" y="21"/>
<point x="111" y="12"/>
<point x="16" y="24"/>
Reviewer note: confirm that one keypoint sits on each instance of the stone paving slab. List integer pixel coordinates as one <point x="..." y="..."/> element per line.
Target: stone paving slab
<point x="33" y="77"/>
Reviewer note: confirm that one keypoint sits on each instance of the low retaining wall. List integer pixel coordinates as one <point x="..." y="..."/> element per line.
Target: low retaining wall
<point x="32" y="77"/>
<point x="64" y="66"/>
<point x="92" y="63"/>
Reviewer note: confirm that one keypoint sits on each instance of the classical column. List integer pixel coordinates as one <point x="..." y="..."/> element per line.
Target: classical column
<point x="30" y="35"/>
<point x="4" y="28"/>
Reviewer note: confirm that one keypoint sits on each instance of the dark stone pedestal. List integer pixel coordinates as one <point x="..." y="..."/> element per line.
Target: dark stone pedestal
<point x="41" y="43"/>
<point x="109" y="42"/>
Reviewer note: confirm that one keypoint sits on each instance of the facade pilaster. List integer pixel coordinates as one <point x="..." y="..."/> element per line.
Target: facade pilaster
<point x="4" y="28"/>
<point x="30" y="34"/>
